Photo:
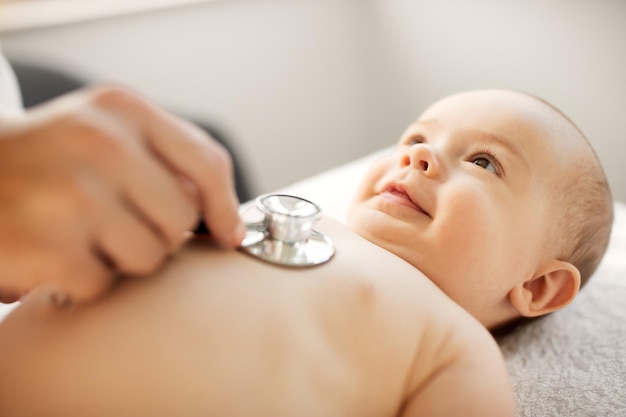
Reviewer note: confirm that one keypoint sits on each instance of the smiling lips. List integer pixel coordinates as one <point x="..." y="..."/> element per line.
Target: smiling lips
<point x="402" y="197"/>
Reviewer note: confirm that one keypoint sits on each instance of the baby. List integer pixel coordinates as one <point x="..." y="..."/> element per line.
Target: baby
<point x="470" y="224"/>
<point x="517" y="237"/>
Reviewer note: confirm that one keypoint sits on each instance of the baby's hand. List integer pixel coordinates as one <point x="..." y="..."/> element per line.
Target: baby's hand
<point x="102" y="182"/>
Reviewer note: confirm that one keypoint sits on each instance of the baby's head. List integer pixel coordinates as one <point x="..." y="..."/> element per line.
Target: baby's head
<point x="497" y="197"/>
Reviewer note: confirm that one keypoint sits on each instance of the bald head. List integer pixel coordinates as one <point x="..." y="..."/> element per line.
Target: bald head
<point x="583" y="203"/>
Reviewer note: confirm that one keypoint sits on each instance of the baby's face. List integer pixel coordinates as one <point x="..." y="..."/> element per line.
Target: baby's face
<point x="467" y="195"/>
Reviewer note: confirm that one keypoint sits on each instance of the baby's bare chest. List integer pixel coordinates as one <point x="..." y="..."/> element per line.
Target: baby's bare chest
<point x="334" y="340"/>
<point x="335" y="347"/>
<point x="217" y="333"/>
<point x="325" y="340"/>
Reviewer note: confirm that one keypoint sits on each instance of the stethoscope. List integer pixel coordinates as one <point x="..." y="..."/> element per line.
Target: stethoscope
<point x="279" y="229"/>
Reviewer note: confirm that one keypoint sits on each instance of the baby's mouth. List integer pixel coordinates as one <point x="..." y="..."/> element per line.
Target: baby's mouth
<point x="404" y="198"/>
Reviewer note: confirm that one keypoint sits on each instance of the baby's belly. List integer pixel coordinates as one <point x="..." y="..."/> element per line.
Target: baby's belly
<point x="216" y="333"/>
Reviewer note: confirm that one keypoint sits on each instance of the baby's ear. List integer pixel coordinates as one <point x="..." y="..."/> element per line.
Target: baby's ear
<point x="552" y="288"/>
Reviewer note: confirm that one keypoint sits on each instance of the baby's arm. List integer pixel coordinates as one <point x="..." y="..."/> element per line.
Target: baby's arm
<point x="473" y="383"/>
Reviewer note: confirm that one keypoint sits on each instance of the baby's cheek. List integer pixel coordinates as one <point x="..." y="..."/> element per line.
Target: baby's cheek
<point x="383" y="171"/>
<point x="368" y="183"/>
<point x="472" y="224"/>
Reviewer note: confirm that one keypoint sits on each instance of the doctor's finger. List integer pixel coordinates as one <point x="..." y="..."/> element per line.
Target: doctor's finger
<point x="207" y="164"/>
<point x="127" y="242"/>
<point x="188" y="150"/>
<point x="215" y="181"/>
<point x="78" y="273"/>
<point x="157" y="194"/>
<point x="88" y="278"/>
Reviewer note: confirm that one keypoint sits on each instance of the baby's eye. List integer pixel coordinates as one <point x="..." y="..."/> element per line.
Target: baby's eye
<point x="485" y="158"/>
<point x="414" y="140"/>
<point x="484" y="162"/>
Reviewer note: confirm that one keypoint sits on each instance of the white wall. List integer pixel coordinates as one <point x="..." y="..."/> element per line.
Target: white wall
<point x="303" y="85"/>
<point x="570" y="52"/>
<point x="284" y="79"/>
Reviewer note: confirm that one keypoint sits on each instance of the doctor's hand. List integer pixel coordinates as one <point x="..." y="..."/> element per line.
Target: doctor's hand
<point x="101" y="182"/>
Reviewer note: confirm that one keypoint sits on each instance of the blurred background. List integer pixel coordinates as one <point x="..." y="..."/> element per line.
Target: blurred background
<point x="299" y="86"/>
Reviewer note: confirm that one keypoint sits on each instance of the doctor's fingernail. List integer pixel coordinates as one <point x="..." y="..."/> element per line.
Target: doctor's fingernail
<point x="240" y="233"/>
<point x="59" y="299"/>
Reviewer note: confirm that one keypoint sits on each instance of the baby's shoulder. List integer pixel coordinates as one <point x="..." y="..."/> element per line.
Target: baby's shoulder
<point x="454" y="362"/>
<point x="458" y="368"/>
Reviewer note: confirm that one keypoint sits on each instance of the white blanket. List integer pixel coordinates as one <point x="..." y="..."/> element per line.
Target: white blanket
<point x="573" y="363"/>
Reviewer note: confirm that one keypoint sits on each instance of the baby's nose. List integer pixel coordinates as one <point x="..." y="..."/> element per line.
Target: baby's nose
<point x="421" y="156"/>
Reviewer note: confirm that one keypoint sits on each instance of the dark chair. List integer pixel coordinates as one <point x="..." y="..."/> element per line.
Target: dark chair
<point x="40" y="83"/>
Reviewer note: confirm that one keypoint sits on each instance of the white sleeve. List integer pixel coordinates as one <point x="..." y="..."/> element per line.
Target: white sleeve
<point x="10" y="98"/>
<point x="10" y="104"/>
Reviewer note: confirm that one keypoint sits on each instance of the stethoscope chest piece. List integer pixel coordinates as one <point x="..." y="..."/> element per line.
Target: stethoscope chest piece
<point x="280" y="231"/>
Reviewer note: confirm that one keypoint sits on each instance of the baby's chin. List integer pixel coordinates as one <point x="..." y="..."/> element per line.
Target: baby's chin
<point x="362" y="221"/>
<point x="351" y="213"/>
<point x="355" y="217"/>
